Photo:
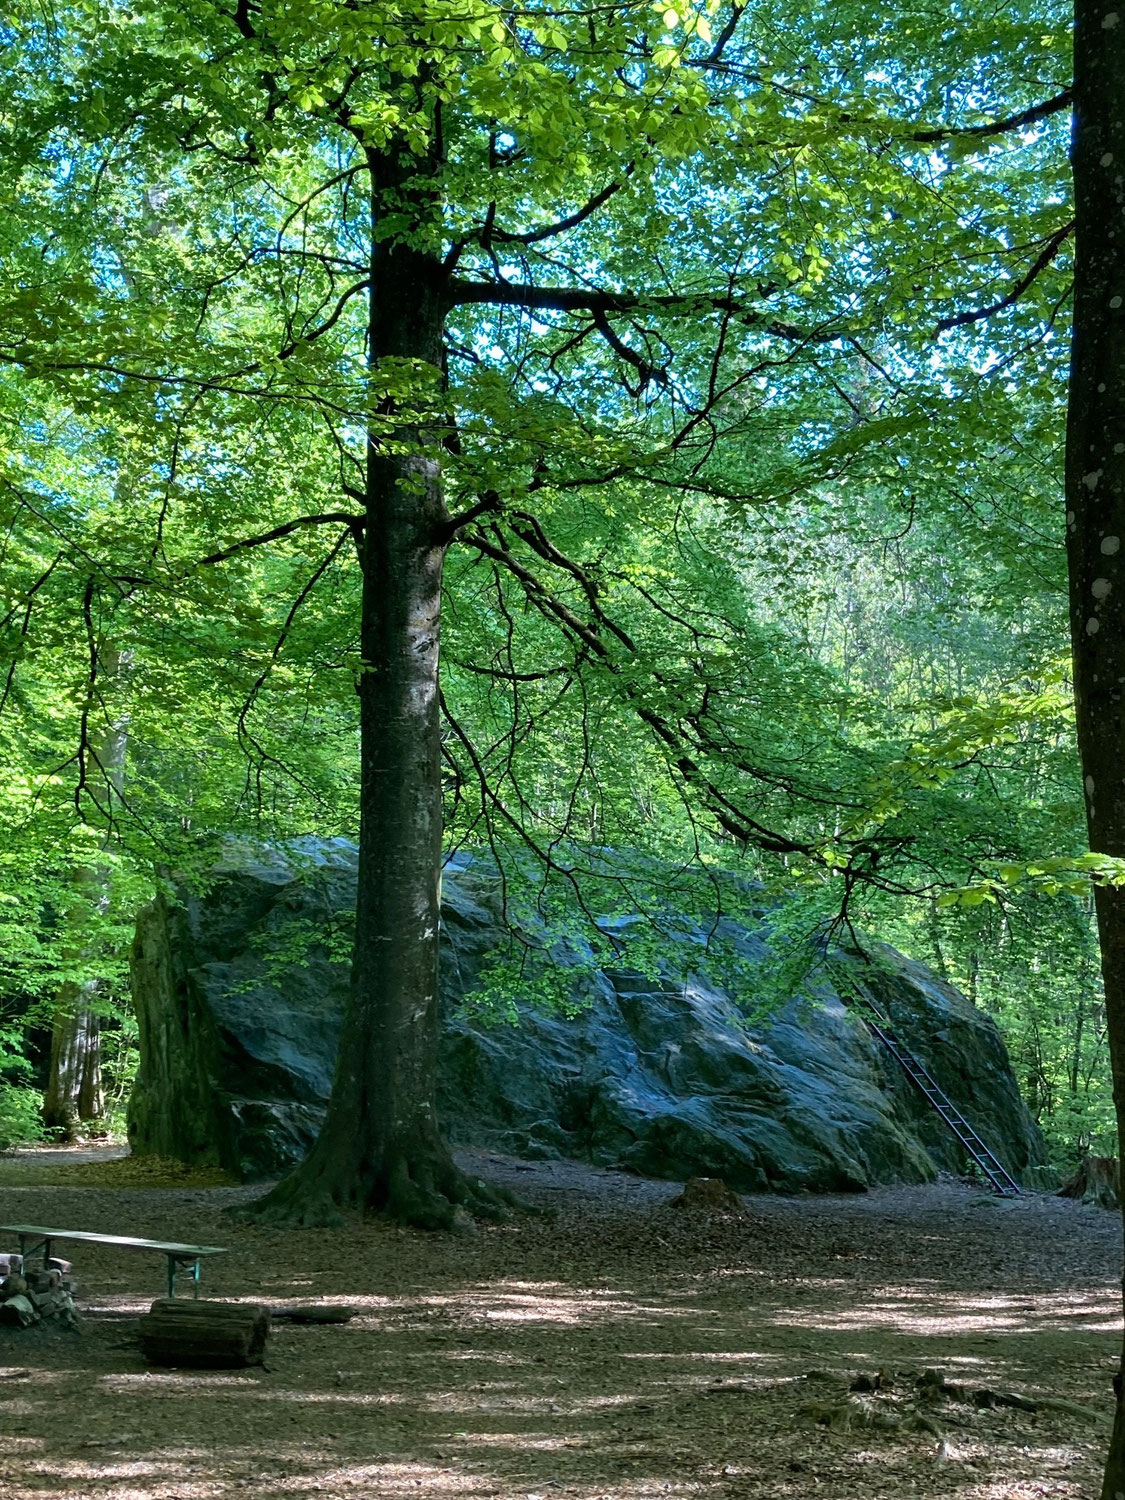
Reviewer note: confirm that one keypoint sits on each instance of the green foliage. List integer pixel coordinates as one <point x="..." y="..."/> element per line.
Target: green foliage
<point x="20" y="1122"/>
<point x="770" y="576"/>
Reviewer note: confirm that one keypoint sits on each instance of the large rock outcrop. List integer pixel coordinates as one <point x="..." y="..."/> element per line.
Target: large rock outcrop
<point x="239" y="996"/>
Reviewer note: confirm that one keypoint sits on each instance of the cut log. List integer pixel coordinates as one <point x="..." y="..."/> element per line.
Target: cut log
<point x="1097" y="1181"/>
<point x="204" y="1335"/>
<point x="315" y="1312"/>
<point x="18" y="1311"/>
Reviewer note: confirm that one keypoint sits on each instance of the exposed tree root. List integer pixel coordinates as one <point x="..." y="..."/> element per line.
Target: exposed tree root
<point x="906" y="1400"/>
<point x="426" y="1192"/>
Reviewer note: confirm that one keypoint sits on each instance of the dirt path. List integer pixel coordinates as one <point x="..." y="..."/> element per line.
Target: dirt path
<point x="622" y="1349"/>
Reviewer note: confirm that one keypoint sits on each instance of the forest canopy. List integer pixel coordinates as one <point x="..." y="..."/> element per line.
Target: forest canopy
<point x="706" y="362"/>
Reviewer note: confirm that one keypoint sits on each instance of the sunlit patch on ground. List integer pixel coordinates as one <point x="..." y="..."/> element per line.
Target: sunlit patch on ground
<point x="624" y="1350"/>
<point x="926" y="1311"/>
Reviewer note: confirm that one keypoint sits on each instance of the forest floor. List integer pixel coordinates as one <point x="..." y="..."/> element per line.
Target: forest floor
<point x="622" y="1349"/>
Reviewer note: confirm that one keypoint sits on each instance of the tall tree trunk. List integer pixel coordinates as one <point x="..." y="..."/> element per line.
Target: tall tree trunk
<point x="74" y="1093"/>
<point x="1095" y="497"/>
<point x="380" y="1147"/>
<point x="74" y="1088"/>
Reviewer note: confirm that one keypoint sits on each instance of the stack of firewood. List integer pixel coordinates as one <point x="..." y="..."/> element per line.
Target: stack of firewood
<point x="34" y="1294"/>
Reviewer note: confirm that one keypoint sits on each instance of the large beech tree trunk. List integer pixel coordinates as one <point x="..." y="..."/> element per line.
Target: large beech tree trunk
<point x="380" y="1147"/>
<point x="1095" y="497"/>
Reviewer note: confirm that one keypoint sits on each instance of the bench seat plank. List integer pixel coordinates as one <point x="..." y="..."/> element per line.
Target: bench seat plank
<point x="112" y="1239"/>
<point x="180" y="1258"/>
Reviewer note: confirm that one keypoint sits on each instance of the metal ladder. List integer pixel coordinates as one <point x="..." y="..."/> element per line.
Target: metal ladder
<point x="998" y="1178"/>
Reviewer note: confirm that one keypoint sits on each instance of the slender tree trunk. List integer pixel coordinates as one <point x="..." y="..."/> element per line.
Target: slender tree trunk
<point x="74" y="1089"/>
<point x="1095" y="497"/>
<point x="74" y="1093"/>
<point x="1076" y="1053"/>
<point x="935" y="939"/>
<point x="380" y="1147"/>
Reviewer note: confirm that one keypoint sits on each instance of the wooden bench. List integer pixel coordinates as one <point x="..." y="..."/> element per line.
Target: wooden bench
<point x="34" y="1239"/>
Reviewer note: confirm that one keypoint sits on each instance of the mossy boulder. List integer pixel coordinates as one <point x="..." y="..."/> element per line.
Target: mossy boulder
<point x="239" y="995"/>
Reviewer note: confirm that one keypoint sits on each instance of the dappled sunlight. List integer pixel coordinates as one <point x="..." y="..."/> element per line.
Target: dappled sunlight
<point x="516" y="1440"/>
<point x="465" y="1355"/>
<point x="1028" y="1489"/>
<point x="473" y="1372"/>
<point x="184" y="1380"/>
<point x="546" y="1302"/>
<point x="710" y="1356"/>
<point x="926" y="1312"/>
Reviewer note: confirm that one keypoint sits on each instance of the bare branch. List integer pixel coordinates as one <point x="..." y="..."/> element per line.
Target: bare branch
<point x="1038" y="266"/>
<point x="1030" y="116"/>
<point x="330" y="518"/>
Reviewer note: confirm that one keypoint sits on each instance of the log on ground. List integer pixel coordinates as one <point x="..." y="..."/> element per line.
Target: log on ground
<point x="204" y="1335"/>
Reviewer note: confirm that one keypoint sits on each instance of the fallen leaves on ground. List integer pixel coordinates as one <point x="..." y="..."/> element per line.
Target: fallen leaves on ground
<point x="621" y="1348"/>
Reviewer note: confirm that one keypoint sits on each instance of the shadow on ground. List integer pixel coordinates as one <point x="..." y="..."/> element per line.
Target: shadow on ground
<point x="623" y="1349"/>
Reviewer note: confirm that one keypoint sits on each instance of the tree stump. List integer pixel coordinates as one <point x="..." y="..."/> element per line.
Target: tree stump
<point x="710" y="1195"/>
<point x="1097" y="1181"/>
<point x="204" y="1335"/>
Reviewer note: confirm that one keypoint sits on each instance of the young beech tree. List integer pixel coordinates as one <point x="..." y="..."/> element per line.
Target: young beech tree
<point x="1095" y="499"/>
<point x="681" y="205"/>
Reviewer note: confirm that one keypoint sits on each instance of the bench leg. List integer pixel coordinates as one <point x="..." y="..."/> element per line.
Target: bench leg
<point x="174" y="1264"/>
<point x="35" y="1247"/>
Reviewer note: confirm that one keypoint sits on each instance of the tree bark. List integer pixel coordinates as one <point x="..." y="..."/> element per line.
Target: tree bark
<point x="74" y="1091"/>
<point x="74" y="1087"/>
<point x="380" y="1147"/>
<point x="1095" y="497"/>
<point x="1097" y="1181"/>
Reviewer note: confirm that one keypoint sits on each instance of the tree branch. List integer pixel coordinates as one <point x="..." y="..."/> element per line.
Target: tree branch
<point x="489" y="502"/>
<point x="245" y="737"/>
<point x="560" y="226"/>
<point x="1039" y="265"/>
<point x="733" y="819"/>
<point x="330" y="518"/>
<point x="600" y="303"/>
<point x="1000" y="127"/>
<point x="329" y="322"/>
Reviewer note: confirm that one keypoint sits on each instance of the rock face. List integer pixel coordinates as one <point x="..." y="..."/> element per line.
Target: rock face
<point x="239" y="997"/>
